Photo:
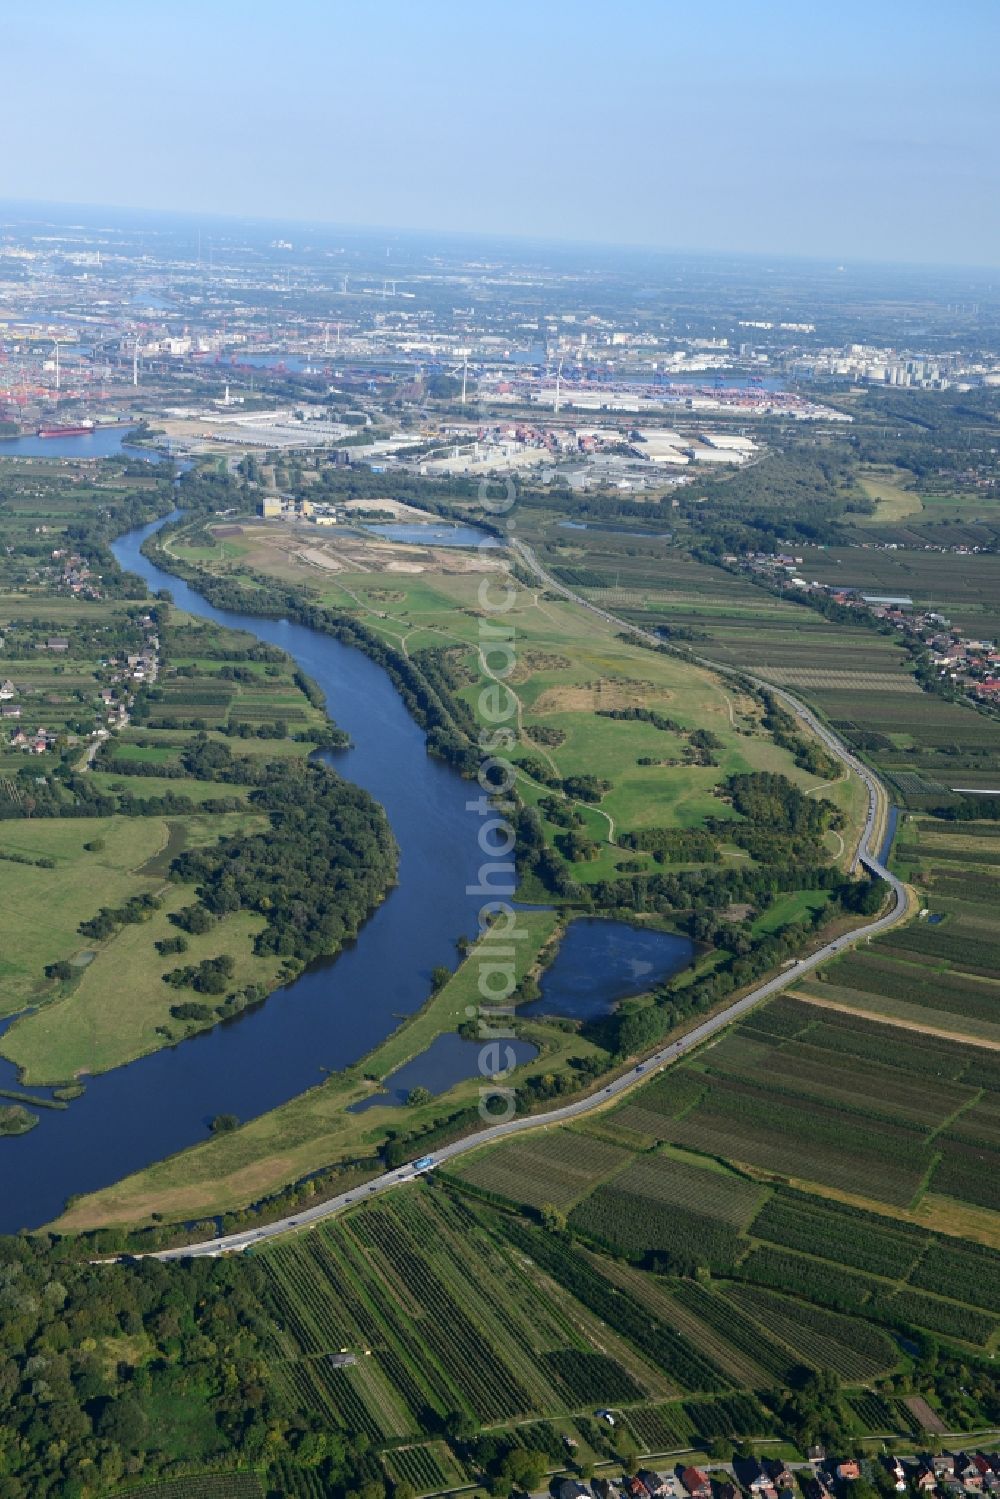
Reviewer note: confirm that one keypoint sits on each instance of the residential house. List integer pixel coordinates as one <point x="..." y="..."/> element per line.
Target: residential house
<point x="753" y="1477"/>
<point x="601" y="1488"/>
<point x="57" y="643"/>
<point x="968" y="1471"/>
<point x="848" y="1470"/>
<point x="570" y="1489"/>
<point x="10" y="710"/>
<point x="655" y="1485"/>
<point x="924" y="1478"/>
<point x="634" y="1488"/>
<point x="697" y="1483"/>
<point x="7" y="690"/>
<point x="778" y="1472"/>
<point x="896" y="1471"/>
<point x="943" y="1463"/>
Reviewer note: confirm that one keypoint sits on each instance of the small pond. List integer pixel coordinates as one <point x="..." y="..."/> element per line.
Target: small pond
<point x="601" y="962"/>
<point x="448" y="1060"/>
<point x="418" y="534"/>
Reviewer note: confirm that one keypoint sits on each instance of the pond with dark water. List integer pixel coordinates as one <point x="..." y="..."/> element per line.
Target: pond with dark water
<point x="600" y="962"/>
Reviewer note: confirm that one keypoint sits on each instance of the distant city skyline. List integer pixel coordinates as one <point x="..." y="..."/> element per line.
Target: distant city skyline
<point x="852" y="133"/>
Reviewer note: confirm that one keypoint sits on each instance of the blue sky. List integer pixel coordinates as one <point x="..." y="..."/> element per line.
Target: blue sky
<point x="864" y="131"/>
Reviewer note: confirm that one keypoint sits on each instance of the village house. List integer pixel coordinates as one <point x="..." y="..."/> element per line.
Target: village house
<point x="924" y="1478"/>
<point x="968" y="1471"/>
<point x="658" y="1487"/>
<point x="848" y="1470"/>
<point x="570" y="1489"/>
<point x="896" y="1472"/>
<point x="779" y="1474"/>
<point x="7" y="690"/>
<point x="697" y="1483"/>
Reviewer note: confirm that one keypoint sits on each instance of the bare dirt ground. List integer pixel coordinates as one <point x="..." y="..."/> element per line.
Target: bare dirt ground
<point x="589" y="696"/>
<point x="395" y="509"/>
<point x="292" y="548"/>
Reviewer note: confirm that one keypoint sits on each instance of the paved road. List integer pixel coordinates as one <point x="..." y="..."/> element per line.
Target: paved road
<point x="619" y="1086"/>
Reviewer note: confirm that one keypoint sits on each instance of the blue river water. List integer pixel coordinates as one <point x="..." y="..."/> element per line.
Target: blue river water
<point x="332" y="1015"/>
<point x="338" y="1010"/>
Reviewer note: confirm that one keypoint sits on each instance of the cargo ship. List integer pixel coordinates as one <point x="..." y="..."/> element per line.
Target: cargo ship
<point x="84" y="429"/>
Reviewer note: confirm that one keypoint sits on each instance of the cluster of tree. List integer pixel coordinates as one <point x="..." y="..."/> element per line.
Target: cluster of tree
<point x="969" y="809"/>
<point x="796" y="493"/>
<point x="321" y="868"/>
<point x="778" y="820"/>
<point x="808" y="754"/>
<point x="674" y="845"/>
<point x="78" y="1423"/>
<point x="643" y="715"/>
<point x="109" y="918"/>
<point x="210" y="976"/>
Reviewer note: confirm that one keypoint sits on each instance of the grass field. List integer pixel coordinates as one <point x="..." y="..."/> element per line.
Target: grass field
<point x="120" y="1007"/>
<point x="893" y="500"/>
<point x="568" y="667"/>
<point x="44" y="907"/>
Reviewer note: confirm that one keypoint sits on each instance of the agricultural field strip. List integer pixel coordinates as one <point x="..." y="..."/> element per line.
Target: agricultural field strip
<point x="744" y="1369"/>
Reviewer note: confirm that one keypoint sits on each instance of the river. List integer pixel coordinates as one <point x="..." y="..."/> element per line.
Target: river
<point x="338" y="1010"/>
<point x="103" y="442"/>
<point x="331" y="1015"/>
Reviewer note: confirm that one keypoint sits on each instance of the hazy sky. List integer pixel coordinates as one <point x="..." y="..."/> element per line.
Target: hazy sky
<point x="851" y="130"/>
